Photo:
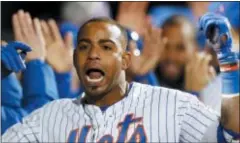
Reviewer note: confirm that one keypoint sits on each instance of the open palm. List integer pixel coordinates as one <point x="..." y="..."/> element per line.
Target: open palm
<point x="133" y="15"/>
<point x="59" y="50"/>
<point x="153" y="44"/>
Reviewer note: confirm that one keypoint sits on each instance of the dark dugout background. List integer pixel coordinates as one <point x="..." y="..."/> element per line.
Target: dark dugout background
<point x="46" y="9"/>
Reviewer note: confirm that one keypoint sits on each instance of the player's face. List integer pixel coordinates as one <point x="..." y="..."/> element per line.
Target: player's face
<point x="99" y="58"/>
<point x="178" y="50"/>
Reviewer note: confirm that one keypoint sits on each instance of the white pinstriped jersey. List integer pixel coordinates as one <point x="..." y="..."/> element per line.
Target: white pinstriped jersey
<point x="146" y="114"/>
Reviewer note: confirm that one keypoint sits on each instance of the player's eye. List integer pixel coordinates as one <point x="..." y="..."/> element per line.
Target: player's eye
<point x="83" y="46"/>
<point x="107" y="47"/>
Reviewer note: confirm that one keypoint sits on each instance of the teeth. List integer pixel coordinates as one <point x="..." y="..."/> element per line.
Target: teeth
<point x="94" y="80"/>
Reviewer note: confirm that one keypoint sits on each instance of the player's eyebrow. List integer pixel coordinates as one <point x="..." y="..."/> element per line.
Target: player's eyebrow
<point x="105" y="41"/>
<point x="84" y="40"/>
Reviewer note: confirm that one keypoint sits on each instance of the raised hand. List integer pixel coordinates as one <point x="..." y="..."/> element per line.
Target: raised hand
<point x="59" y="51"/>
<point x="198" y="73"/>
<point x="133" y="15"/>
<point x="29" y="31"/>
<point x="12" y="59"/>
<point x="217" y="30"/>
<point x="153" y="44"/>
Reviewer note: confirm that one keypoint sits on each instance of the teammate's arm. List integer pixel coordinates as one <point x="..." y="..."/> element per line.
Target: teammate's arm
<point x="217" y="30"/>
<point x="11" y="95"/>
<point x="39" y="85"/>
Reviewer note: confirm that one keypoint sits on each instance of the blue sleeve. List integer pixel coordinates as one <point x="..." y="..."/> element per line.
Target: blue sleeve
<point x="11" y="91"/>
<point x="10" y="116"/>
<point x="39" y="85"/>
<point x="11" y="96"/>
<point x="64" y="84"/>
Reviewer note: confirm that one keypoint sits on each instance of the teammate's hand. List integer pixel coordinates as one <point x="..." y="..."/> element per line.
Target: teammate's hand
<point x="198" y="72"/>
<point x="217" y="30"/>
<point x="59" y="51"/>
<point x="133" y="15"/>
<point x="12" y="57"/>
<point x="142" y="63"/>
<point x="28" y="31"/>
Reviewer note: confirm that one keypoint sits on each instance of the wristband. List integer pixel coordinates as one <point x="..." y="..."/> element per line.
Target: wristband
<point x="226" y="135"/>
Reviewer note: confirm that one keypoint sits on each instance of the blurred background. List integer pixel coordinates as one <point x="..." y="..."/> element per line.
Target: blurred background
<point x="176" y="47"/>
<point x="56" y="9"/>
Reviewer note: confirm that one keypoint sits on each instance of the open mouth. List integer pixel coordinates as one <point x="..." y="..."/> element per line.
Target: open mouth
<point x="94" y="75"/>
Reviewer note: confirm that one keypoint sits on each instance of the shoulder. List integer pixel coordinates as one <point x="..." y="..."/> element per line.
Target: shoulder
<point x="163" y="91"/>
<point x="150" y="91"/>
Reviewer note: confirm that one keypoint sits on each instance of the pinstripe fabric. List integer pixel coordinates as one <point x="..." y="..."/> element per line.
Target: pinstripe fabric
<point x="164" y="115"/>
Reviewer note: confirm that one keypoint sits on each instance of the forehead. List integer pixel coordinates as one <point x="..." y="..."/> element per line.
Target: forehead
<point x="179" y="33"/>
<point x="101" y="30"/>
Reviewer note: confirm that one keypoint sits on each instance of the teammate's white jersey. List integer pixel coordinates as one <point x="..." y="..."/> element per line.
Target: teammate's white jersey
<point x="146" y="114"/>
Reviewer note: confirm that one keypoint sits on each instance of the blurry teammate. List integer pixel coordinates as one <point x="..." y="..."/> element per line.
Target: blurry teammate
<point x="181" y="66"/>
<point x="113" y="110"/>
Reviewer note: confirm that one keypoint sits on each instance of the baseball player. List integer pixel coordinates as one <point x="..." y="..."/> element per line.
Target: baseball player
<point x="113" y="110"/>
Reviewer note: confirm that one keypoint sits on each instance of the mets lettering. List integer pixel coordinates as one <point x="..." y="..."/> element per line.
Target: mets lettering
<point x="79" y="136"/>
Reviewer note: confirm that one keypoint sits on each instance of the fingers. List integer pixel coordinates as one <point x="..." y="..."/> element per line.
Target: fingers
<point x="28" y="22"/>
<point x="54" y="29"/>
<point x="68" y="40"/>
<point x="149" y="26"/>
<point x="212" y="72"/>
<point x="22" y="26"/>
<point x="38" y="29"/>
<point x="46" y="32"/>
<point x="16" y="28"/>
<point x="204" y="60"/>
<point x="23" y="22"/>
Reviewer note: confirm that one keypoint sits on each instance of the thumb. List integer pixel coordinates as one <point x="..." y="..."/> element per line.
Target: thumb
<point x="20" y="46"/>
<point x="212" y="72"/>
<point x="68" y="40"/>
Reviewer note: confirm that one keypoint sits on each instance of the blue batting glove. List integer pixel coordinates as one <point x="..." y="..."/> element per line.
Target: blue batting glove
<point x="215" y="26"/>
<point x="11" y="59"/>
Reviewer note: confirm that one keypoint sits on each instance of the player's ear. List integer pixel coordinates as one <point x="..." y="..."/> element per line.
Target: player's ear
<point x="75" y="58"/>
<point x="126" y="59"/>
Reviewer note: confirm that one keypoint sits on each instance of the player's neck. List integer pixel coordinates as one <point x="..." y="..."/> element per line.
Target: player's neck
<point x="113" y="96"/>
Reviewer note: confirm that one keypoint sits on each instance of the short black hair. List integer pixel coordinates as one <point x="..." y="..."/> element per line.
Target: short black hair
<point x="106" y="20"/>
<point x="178" y="20"/>
<point x="175" y="20"/>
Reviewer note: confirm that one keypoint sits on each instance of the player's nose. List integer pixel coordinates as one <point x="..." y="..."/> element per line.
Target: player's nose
<point x="94" y="54"/>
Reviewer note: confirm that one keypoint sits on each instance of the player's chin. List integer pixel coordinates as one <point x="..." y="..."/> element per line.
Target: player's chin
<point x="96" y="93"/>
